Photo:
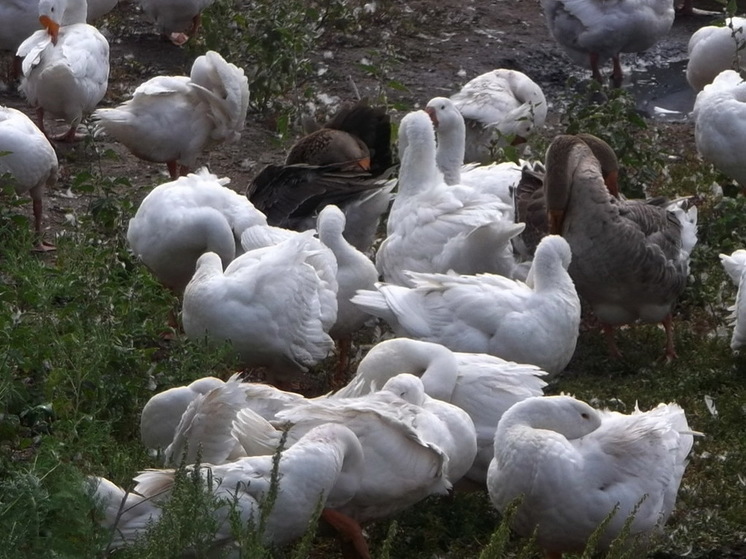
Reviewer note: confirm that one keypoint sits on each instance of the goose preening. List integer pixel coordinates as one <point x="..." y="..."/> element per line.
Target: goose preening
<point x="65" y="66"/>
<point x="173" y="119"/>
<point x="735" y="266"/>
<point x="275" y="305"/>
<point x="180" y="220"/>
<point x="407" y="448"/>
<point x="30" y="160"/>
<point x="177" y="19"/>
<point x="323" y="466"/>
<point x="719" y="131"/>
<point x="488" y="313"/>
<point x="573" y="466"/>
<point x="500" y="106"/>
<point x="630" y="258"/>
<point x="435" y="227"/>
<point x="713" y="49"/>
<point x="593" y="31"/>
<point x="482" y="385"/>
<point x="343" y="163"/>
<point x="528" y="195"/>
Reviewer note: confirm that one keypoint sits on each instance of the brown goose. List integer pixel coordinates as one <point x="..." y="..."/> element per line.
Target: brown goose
<point x="630" y="259"/>
<point x="342" y="164"/>
<point x="528" y="196"/>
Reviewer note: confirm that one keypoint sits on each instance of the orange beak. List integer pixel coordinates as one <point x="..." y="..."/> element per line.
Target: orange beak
<point x="364" y="163"/>
<point x="612" y="185"/>
<point x="556" y="218"/>
<point x="431" y="113"/>
<point x="518" y="140"/>
<point x="52" y="27"/>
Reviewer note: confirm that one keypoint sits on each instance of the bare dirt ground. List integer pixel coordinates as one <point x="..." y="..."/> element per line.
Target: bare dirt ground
<point x="429" y="48"/>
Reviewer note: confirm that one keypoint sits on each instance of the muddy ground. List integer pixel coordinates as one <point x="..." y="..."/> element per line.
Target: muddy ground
<point x="429" y="48"/>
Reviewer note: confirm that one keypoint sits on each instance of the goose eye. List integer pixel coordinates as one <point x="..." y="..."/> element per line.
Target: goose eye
<point x="584" y="415"/>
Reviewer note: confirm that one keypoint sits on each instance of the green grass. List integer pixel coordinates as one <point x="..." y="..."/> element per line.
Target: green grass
<point x="82" y="352"/>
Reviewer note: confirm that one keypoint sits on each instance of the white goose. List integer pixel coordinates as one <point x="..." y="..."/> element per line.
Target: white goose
<point x="179" y="19"/>
<point x="162" y="413"/>
<point x="735" y="266"/>
<point x="718" y="133"/>
<point x="20" y="18"/>
<point x="713" y="49"/>
<point x="434" y="227"/>
<point x="173" y="119"/>
<point x="499" y="106"/>
<point x="482" y="385"/>
<point x="30" y="159"/>
<point x="275" y="305"/>
<point x="630" y="259"/>
<point x="66" y="66"/>
<point x="496" y="178"/>
<point x="490" y="313"/>
<point x="573" y="465"/>
<point x="325" y="465"/>
<point x="592" y="31"/>
<point x="403" y="463"/>
<point x="180" y="220"/>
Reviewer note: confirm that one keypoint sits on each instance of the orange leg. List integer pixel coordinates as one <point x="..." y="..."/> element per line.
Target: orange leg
<point x="617" y="75"/>
<point x="41" y="246"/>
<point x="670" y="353"/>
<point x="596" y="72"/>
<point x="608" y="331"/>
<point x="350" y="534"/>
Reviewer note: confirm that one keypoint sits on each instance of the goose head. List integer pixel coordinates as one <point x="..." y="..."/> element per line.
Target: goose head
<point x="565" y="415"/>
<point x="568" y="160"/>
<point x="449" y="122"/>
<point x="53" y="14"/>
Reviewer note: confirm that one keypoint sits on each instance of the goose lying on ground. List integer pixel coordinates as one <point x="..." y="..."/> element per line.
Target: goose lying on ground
<point x="573" y="466"/>
<point x="735" y="266"/>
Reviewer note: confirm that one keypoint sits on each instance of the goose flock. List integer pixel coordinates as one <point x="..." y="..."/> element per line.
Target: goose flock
<point x="480" y="282"/>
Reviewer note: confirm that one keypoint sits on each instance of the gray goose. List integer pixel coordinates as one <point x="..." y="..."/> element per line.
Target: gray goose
<point x="630" y="259"/>
<point x="528" y="195"/>
<point x="344" y="163"/>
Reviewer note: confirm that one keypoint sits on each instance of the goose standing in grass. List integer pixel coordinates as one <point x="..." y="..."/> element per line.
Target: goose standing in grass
<point x="489" y="313"/>
<point x="275" y="305"/>
<point x="630" y="259"/>
<point x="593" y="31"/>
<point x="713" y="49"/>
<point x="177" y="19"/>
<point x="180" y="220"/>
<point x="30" y="161"/>
<point x="343" y="163"/>
<point x="482" y="385"/>
<point x="173" y="119"/>
<point x="574" y="466"/>
<point x="324" y="466"/>
<point x="719" y="129"/>
<point x="735" y="266"/>
<point x="499" y="106"/>
<point x="434" y="227"/>
<point x="66" y="65"/>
